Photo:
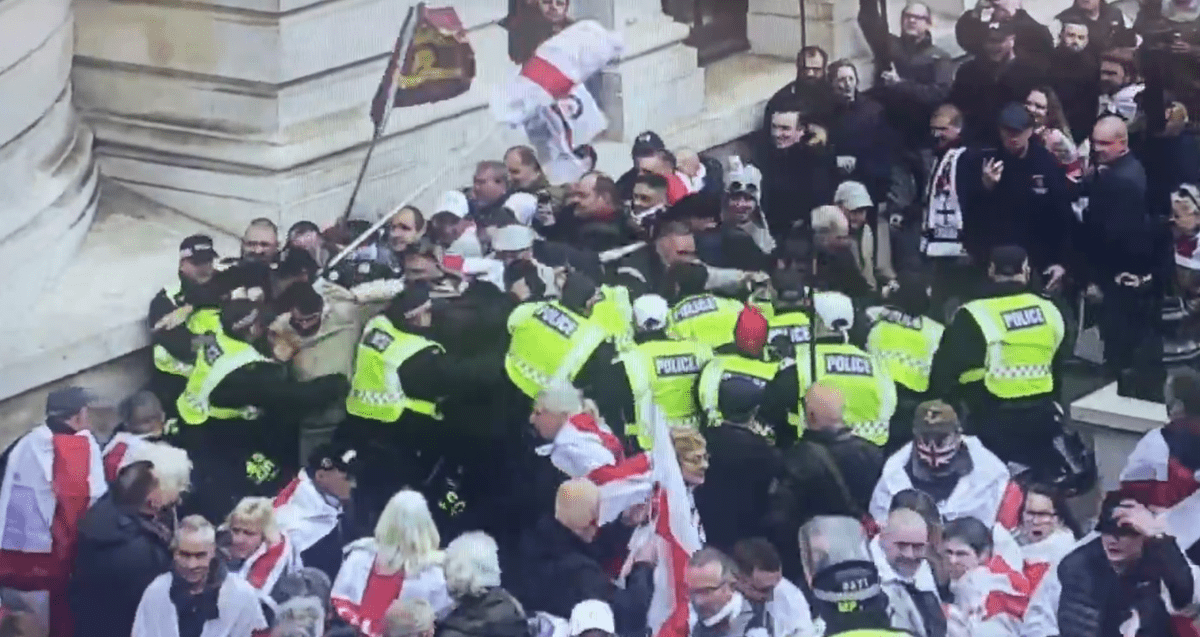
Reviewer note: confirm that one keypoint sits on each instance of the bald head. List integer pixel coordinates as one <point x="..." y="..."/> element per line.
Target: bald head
<point x="1110" y="139"/>
<point x="824" y="407"/>
<point x="577" y="507"/>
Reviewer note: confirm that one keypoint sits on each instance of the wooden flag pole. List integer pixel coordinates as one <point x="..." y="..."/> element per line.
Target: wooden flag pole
<point x="396" y="62"/>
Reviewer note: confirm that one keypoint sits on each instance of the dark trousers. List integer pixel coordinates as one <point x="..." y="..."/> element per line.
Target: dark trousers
<point x="1129" y="326"/>
<point x="1021" y="433"/>
<point x="954" y="283"/>
<point x="221" y="452"/>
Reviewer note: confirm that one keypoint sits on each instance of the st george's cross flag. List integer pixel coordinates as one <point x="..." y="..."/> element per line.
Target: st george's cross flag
<point x="432" y="61"/>
<point x="1156" y="476"/>
<point x="674" y="529"/>
<point x="556" y="68"/>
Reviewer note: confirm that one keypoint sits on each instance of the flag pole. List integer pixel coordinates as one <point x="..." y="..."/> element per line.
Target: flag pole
<point x="394" y="64"/>
<point x="409" y="199"/>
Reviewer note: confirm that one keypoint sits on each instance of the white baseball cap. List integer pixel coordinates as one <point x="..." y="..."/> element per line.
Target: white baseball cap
<point x="650" y="312"/>
<point x="513" y="238"/>
<point x="852" y="195"/>
<point x="523" y="205"/>
<point x="591" y="614"/>
<point x="453" y="202"/>
<point x="835" y="309"/>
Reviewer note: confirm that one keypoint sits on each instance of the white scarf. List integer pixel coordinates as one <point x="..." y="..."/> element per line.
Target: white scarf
<point x="365" y="612"/>
<point x="267" y="564"/>
<point x="942" y="227"/>
<point x="239" y="613"/>
<point x="304" y="514"/>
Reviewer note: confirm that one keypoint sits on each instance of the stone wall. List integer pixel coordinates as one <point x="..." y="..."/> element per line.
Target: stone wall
<point x="47" y="176"/>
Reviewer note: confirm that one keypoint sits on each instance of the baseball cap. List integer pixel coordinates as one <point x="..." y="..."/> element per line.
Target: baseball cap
<point x="999" y="29"/>
<point x="1008" y="260"/>
<point x="513" y="238"/>
<point x="647" y="141"/>
<point x="523" y="206"/>
<point x="852" y="195"/>
<point x="453" y="202"/>
<point x="1014" y="117"/>
<point x="68" y="401"/>
<point x="835" y="310"/>
<point x="591" y="614"/>
<point x="198" y="247"/>
<point x="935" y="418"/>
<point x="334" y="455"/>
<point x="650" y="312"/>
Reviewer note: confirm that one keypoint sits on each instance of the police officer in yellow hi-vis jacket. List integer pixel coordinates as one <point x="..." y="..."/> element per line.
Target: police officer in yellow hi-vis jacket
<point x="742" y="363"/>
<point x="393" y="415"/>
<point x="789" y="315"/>
<point x="904" y="338"/>
<point x="1000" y="358"/>
<point x="240" y="411"/>
<point x="173" y="319"/>
<point x="657" y="370"/>
<point x="698" y="315"/>
<point x="862" y="378"/>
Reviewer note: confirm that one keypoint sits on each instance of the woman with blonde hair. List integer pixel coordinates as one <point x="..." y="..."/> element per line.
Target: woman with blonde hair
<point x="255" y="549"/>
<point x="402" y="559"/>
<point x="692" y="451"/>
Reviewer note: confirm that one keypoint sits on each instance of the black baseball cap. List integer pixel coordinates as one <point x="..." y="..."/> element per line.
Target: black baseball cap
<point x="1014" y="117"/>
<point x="648" y="141"/>
<point x="335" y="455"/>
<point x="198" y="247"/>
<point x="999" y="29"/>
<point x="1008" y="260"/>
<point x="66" y="402"/>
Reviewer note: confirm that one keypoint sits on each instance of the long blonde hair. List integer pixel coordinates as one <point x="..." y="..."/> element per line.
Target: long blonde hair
<point x="406" y="538"/>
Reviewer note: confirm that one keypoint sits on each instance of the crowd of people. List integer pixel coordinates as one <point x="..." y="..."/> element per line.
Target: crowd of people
<point x="848" y="345"/>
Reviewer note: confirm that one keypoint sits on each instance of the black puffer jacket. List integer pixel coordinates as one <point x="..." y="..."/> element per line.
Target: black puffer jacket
<point x="494" y="614"/>
<point x="120" y="553"/>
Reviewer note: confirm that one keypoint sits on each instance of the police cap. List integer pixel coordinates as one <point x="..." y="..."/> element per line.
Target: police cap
<point x="338" y="456"/>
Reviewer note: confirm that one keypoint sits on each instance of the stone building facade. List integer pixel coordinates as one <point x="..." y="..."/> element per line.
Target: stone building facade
<point x="202" y="115"/>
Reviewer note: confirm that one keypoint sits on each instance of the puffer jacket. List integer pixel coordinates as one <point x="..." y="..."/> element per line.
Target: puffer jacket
<point x="493" y="614"/>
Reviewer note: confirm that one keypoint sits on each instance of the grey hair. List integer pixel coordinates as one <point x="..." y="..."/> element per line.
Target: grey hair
<point x="1181" y="392"/>
<point x="561" y="396"/>
<point x="305" y="582"/>
<point x="195" y="525"/>
<point x="171" y="465"/>
<point x="708" y="555"/>
<point x="408" y="617"/>
<point x="303" y="615"/>
<point x="472" y="565"/>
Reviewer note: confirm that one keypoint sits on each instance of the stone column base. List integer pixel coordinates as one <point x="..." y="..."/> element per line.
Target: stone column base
<point x="775" y="29"/>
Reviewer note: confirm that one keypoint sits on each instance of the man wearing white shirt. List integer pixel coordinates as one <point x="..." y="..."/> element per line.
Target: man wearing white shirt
<point x="899" y="554"/>
<point x="199" y="597"/>
<point x="783" y="607"/>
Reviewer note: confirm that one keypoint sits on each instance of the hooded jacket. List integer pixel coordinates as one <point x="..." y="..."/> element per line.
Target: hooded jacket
<point x="496" y="613"/>
<point x="120" y="553"/>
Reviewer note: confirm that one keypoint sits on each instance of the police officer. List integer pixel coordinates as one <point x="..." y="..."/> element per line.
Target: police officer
<point x="741" y="363"/>
<point x="868" y="388"/>
<point x="657" y="371"/>
<point x="393" y="411"/>
<point x="847" y="594"/>
<point x="904" y="339"/>
<point x="614" y="312"/>
<point x="789" y="318"/>
<point x="557" y="339"/>
<point x="168" y="321"/>
<point x="1001" y="357"/>
<point x="698" y="315"/>
<point x="239" y="412"/>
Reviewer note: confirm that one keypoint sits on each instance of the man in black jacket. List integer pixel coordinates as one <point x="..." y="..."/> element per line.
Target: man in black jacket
<point x="1106" y="24"/>
<point x="830" y="471"/>
<point x="799" y="169"/>
<point x="1033" y="39"/>
<point x="1135" y="571"/>
<point x="122" y="548"/>
<point x="999" y="75"/>
<point x="1074" y="74"/>
<point x="1122" y="247"/>
<point x="810" y="91"/>
<point x="563" y="558"/>
<point x="1021" y="199"/>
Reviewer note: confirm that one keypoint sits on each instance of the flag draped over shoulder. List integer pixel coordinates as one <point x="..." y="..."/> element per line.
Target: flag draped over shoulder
<point x="673" y="529"/>
<point x="1158" y="478"/>
<point x="431" y="62"/>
